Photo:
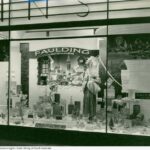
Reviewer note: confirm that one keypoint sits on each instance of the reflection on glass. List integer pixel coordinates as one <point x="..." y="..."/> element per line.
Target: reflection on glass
<point x="128" y="91"/>
<point x="4" y="58"/>
<point x="60" y="84"/>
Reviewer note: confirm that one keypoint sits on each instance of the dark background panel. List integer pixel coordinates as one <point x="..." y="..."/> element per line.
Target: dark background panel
<point x="33" y="136"/>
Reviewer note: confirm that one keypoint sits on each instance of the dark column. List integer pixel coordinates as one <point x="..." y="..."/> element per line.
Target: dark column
<point x="2" y="10"/>
<point x="24" y="49"/>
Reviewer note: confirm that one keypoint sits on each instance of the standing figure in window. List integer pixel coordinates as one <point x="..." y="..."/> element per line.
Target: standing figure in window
<point x="90" y="88"/>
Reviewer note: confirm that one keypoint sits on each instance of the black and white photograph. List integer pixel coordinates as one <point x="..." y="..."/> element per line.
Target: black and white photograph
<point x="74" y="73"/>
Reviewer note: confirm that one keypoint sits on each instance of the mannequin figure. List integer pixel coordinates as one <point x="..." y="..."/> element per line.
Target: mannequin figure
<point x="91" y="87"/>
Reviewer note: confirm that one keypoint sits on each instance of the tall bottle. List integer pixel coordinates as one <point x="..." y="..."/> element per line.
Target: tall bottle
<point x="70" y="106"/>
<point x="68" y="63"/>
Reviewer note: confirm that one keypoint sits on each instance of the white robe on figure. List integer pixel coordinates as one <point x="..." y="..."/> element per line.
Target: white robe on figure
<point x="93" y="66"/>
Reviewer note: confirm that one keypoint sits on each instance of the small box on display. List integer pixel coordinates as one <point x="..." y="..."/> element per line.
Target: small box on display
<point x="30" y="115"/>
<point x="58" y="117"/>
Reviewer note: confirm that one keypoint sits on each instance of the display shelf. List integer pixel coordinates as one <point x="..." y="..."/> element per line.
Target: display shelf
<point x="68" y="122"/>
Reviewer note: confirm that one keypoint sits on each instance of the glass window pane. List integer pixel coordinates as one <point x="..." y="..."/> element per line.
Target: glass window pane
<point x="129" y="9"/>
<point x="129" y="29"/>
<point x="58" y="11"/>
<point x="4" y="63"/>
<point x="62" y="83"/>
<point x="3" y="13"/>
<point x="128" y="92"/>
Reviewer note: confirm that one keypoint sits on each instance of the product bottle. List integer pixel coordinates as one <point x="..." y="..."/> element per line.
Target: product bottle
<point x="70" y="106"/>
<point x="57" y="111"/>
<point x="68" y="63"/>
<point x="111" y="123"/>
<point x="77" y="107"/>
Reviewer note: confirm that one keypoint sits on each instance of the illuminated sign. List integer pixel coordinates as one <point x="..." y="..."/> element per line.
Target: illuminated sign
<point x="62" y="50"/>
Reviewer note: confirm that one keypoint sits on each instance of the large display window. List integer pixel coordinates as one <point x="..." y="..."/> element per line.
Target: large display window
<point x="128" y="92"/>
<point x="82" y="84"/>
<point x="59" y="84"/>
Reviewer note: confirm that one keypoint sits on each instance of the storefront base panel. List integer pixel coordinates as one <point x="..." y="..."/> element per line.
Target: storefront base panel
<point x="34" y="136"/>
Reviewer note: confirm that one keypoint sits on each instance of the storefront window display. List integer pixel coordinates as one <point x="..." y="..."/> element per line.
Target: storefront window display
<point x="67" y="84"/>
<point x="60" y="84"/>
<point x="128" y="93"/>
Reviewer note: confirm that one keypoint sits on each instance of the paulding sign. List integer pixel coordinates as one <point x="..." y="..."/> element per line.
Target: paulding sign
<point x="62" y="50"/>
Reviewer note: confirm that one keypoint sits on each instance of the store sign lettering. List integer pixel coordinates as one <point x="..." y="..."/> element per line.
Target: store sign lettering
<point x="62" y="50"/>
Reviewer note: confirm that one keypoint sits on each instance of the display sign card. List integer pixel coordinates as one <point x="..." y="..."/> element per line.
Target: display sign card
<point x="142" y="95"/>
